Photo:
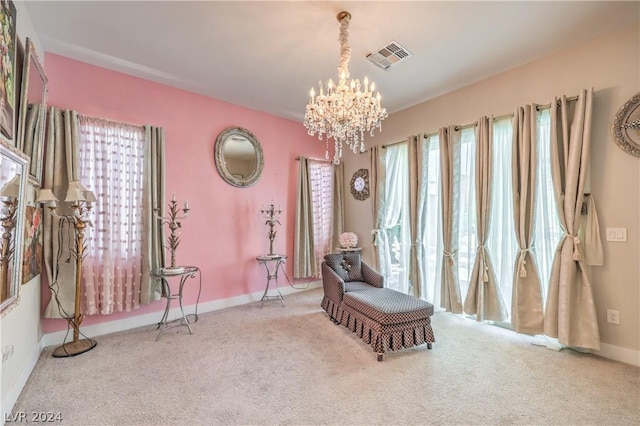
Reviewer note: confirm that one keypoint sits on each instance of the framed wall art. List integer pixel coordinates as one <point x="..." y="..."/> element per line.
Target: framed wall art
<point x="33" y="106"/>
<point x="7" y="69"/>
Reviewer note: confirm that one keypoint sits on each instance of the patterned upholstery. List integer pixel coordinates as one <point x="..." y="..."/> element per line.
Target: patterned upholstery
<point x="384" y="318"/>
<point x="348" y="266"/>
<point x="389" y="306"/>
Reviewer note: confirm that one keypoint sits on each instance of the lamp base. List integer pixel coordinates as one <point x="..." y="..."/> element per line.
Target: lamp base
<point x="74" y="348"/>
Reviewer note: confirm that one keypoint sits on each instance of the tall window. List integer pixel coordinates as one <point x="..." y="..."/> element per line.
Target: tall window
<point x="502" y="243"/>
<point x="547" y="229"/>
<point x="467" y="232"/>
<point x="432" y="232"/>
<point x="321" y="177"/>
<point x="112" y="165"/>
<point x="396" y="242"/>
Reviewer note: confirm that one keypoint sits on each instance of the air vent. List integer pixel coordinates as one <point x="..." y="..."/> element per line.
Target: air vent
<point x="388" y="55"/>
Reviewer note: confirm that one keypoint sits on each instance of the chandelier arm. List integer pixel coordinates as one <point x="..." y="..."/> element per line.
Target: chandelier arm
<point x="345" y="49"/>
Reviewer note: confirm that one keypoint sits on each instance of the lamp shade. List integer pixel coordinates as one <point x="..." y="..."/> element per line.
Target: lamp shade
<point x="89" y="196"/>
<point x="45" y="196"/>
<point x="75" y="192"/>
<point x="11" y="188"/>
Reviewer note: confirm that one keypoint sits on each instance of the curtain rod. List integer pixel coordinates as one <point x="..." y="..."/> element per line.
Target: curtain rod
<point x="62" y="112"/>
<point x="392" y="143"/>
<point x="298" y="158"/>
<point x="500" y="117"/>
<point x="475" y="123"/>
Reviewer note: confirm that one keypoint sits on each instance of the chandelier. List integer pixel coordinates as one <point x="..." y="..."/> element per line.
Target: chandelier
<point x="348" y="109"/>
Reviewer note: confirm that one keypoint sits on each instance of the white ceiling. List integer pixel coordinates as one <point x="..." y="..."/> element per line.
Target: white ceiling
<point x="266" y="55"/>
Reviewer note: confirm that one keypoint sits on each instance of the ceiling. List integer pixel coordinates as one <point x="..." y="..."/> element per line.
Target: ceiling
<point x="267" y="55"/>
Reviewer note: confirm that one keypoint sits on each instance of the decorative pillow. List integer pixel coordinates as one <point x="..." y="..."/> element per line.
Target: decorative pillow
<point x="335" y="262"/>
<point x="347" y="266"/>
<point x="352" y="263"/>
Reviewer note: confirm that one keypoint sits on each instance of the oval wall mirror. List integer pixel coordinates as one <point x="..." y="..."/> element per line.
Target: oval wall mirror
<point x="238" y="157"/>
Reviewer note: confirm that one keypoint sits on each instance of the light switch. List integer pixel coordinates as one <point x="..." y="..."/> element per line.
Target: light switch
<point x="617" y="234"/>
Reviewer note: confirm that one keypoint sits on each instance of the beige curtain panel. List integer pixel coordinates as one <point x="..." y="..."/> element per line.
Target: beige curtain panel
<point x="484" y="298"/>
<point x="526" y="300"/>
<point x="61" y="167"/>
<point x="570" y="313"/>
<point x="450" y="165"/>
<point x="304" y="264"/>
<point x="417" y="206"/>
<point x="337" y="224"/>
<point x="376" y="182"/>
<point x="154" y="188"/>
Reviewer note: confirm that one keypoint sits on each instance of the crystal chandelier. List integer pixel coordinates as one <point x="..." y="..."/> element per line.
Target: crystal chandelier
<point x="348" y="108"/>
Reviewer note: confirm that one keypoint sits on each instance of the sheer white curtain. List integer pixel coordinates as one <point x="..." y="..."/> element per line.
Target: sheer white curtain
<point x="502" y="241"/>
<point x="431" y="237"/>
<point x="321" y="180"/>
<point x="112" y="165"/>
<point x="467" y="235"/>
<point x="547" y="229"/>
<point x="394" y="246"/>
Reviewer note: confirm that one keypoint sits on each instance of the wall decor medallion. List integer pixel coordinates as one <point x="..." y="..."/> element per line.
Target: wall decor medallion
<point x="360" y="184"/>
<point x="626" y="126"/>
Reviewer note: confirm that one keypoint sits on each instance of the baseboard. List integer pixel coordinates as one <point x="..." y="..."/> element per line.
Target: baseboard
<point x="57" y="338"/>
<point x="618" y="353"/>
<point x="12" y="395"/>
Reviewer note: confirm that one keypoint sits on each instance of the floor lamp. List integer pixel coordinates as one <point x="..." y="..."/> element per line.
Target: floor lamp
<point x="80" y="199"/>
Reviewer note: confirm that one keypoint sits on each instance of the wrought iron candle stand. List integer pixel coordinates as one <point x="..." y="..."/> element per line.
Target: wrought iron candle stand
<point x="173" y="220"/>
<point x="271" y="214"/>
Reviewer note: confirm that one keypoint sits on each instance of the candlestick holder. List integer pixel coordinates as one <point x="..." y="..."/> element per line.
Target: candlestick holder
<point x="173" y="220"/>
<point x="271" y="214"/>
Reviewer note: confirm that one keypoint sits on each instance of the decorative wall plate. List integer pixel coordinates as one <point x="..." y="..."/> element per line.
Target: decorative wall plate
<point x="626" y="126"/>
<point x="360" y="184"/>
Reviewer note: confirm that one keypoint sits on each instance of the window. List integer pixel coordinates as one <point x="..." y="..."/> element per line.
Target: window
<point x="467" y="232"/>
<point x="111" y="165"/>
<point x="547" y="231"/>
<point x="502" y="243"/>
<point x="321" y="177"/>
<point x="432" y="217"/>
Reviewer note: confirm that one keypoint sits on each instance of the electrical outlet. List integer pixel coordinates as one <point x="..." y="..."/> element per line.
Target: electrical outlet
<point x="7" y="351"/>
<point x="617" y="234"/>
<point x="613" y="317"/>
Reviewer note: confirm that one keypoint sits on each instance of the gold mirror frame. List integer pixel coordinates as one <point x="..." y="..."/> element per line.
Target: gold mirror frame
<point x="33" y="106"/>
<point x="223" y="155"/>
<point x="13" y="182"/>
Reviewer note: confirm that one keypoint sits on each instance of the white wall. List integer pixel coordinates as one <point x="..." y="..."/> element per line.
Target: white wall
<point x="611" y="65"/>
<point x="20" y="329"/>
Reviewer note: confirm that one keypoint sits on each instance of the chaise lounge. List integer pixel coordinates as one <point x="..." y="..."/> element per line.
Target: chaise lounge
<point x="354" y="296"/>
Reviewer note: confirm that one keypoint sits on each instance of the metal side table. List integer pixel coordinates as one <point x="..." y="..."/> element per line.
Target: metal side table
<point x="184" y="272"/>
<point x="276" y="261"/>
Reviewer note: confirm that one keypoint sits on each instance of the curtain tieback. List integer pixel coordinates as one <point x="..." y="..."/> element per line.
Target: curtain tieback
<point x="376" y="232"/>
<point x="522" y="262"/>
<point x="576" y="247"/>
<point x="485" y="270"/>
<point x="450" y="255"/>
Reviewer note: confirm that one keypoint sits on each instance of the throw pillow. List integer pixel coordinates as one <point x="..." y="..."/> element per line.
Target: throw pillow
<point x="335" y="262"/>
<point x="352" y="263"/>
<point x="347" y="266"/>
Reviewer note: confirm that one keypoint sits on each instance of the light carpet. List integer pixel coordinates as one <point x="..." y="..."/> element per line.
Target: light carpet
<point x="293" y="366"/>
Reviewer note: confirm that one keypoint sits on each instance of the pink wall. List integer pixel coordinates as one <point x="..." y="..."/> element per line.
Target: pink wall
<point x="224" y="231"/>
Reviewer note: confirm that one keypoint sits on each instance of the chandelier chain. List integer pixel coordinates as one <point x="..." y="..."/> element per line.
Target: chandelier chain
<point x="348" y="109"/>
<point x="345" y="49"/>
